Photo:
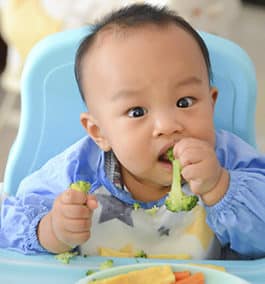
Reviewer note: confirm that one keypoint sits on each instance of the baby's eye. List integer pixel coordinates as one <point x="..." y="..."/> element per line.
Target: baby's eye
<point x="185" y="102"/>
<point x="137" y="112"/>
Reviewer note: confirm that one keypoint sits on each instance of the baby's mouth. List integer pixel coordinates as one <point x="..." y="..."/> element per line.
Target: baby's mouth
<point x="164" y="158"/>
<point x="163" y="154"/>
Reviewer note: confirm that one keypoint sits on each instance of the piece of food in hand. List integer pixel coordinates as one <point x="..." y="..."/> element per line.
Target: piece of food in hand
<point x="81" y="185"/>
<point x="177" y="200"/>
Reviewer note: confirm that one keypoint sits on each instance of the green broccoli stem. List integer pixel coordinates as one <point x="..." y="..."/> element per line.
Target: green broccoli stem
<point x="177" y="200"/>
<point x="176" y="181"/>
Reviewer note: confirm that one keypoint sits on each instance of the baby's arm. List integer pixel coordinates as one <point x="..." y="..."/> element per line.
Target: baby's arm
<point x="232" y="188"/>
<point x="21" y="214"/>
<point x="238" y="219"/>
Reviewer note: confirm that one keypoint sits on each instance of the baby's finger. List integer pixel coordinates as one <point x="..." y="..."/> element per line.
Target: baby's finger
<point x="197" y="187"/>
<point x="75" y="211"/>
<point x="191" y="156"/>
<point x="186" y="144"/>
<point x="71" y="196"/>
<point x="74" y="239"/>
<point x="191" y="172"/>
<point x="92" y="202"/>
<point x="77" y="225"/>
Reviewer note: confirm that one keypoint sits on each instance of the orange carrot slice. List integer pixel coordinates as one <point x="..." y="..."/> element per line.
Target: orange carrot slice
<point x="181" y="274"/>
<point x="197" y="278"/>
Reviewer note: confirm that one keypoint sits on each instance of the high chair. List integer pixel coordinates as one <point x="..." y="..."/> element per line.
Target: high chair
<point x="51" y="103"/>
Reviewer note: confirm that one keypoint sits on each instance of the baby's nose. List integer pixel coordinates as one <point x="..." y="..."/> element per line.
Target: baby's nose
<point x="166" y="124"/>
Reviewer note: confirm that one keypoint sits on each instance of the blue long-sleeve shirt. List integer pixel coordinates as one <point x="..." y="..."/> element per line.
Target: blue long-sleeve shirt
<point x="238" y="220"/>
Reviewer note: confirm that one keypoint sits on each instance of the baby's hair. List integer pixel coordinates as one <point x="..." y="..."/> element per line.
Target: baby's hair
<point x="134" y="16"/>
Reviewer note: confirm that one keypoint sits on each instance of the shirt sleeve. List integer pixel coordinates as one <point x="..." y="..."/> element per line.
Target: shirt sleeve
<point x="19" y="220"/>
<point x="238" y="220"/>
<point x="21" y="214"/>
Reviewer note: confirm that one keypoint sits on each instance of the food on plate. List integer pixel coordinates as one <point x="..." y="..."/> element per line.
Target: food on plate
<point x="154" y="275"/>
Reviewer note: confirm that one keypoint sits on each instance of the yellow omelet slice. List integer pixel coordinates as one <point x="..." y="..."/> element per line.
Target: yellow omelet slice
<point x="170" y="256"/>
<point x="102" y="251"/>
<point x="151" y="275"/>
<point x="119" y="279"/>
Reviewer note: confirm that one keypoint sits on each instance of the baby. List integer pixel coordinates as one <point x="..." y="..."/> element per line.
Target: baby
<point x="145" y="76"/>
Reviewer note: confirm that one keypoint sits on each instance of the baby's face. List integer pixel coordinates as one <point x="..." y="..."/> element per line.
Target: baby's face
<point x="147" y="89"/>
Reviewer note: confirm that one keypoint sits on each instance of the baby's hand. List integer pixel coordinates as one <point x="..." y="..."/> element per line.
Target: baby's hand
<point x="202" y="170"/>
<point x="71" y="217"/>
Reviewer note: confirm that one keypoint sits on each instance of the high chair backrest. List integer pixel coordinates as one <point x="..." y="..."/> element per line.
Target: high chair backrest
<point x="51" y="104"/>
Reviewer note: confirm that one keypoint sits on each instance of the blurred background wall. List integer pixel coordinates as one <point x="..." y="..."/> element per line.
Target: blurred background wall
<point x="24" y="22"/>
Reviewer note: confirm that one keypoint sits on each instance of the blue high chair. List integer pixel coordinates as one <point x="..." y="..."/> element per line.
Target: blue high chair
<point x="51" y="103"/>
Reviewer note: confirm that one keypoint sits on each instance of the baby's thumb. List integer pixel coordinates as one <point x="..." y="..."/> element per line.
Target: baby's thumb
<point x="92" y="202"/>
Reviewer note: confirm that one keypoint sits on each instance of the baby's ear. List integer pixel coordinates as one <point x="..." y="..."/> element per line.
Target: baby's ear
<point x="214" y="94"/>
<point x="92" y="128"/>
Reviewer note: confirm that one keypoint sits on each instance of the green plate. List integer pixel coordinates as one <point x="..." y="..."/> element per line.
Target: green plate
<point x="212" y="276"/>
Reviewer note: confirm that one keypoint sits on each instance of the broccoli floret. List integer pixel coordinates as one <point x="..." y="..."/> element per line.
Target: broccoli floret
<point x="106" y="264"/>
<point x="152" y="211"/>
<point x="136" y="206"/>
<point x="65" y="256"/>
<point x="177" y="200"/>
<point x="141" y="254"/>
<point x="80" y="185"/>
<point x="89" y="272"/>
